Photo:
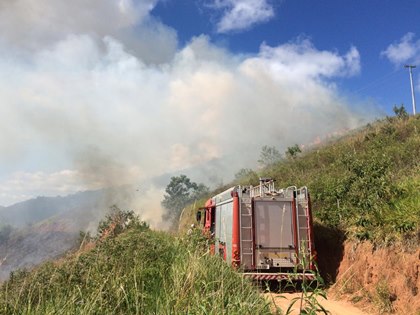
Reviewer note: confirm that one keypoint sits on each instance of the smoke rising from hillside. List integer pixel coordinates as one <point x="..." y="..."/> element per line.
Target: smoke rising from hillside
<point x="113" y="109"/>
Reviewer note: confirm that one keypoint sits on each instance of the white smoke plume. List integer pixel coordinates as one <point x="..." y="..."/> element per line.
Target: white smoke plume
<point x="27" y="26"/>
<point x="86" y="102"/>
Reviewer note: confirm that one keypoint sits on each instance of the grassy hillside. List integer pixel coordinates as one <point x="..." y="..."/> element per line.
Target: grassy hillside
<point x="138" y="271"/>
<point x="366" y="183"/>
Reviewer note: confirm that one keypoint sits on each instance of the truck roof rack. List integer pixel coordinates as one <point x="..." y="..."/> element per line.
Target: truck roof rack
<point x="265" y="188"/>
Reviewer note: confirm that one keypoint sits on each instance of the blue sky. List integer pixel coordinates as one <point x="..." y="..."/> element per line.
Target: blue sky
<point x="371" y="26"/>
<point x="112" y="92"/>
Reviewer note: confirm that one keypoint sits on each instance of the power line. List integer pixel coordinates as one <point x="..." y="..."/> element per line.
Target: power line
<point x="378" y="81"/>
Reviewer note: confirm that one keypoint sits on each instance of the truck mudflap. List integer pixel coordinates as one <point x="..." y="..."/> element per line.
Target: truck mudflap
<point x="279" y="276"/>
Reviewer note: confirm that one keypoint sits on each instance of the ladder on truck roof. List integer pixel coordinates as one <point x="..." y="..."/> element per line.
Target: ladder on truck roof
<point x="247" y="237"/>
<point x="266" y="187"/>
<point x="304" y="232"/>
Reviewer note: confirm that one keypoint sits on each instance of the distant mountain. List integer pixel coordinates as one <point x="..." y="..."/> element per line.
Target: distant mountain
<point x="35" y="210"/>
<point x="46" y="227"/>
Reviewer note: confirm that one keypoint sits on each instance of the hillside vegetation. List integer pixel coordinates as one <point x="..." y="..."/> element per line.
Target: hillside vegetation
<point x="366" y="183"/>
<point x="130" y="269"/>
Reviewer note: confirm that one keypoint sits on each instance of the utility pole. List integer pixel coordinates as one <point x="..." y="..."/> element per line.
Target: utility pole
<point x="410" y="67"/>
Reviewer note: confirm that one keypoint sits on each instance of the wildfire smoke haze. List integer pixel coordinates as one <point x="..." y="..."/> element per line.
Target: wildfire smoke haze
<point x="88" y="104"/>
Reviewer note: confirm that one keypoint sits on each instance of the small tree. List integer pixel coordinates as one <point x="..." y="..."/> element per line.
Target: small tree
<point x="116" y="221"/>
<point x="179" y="193"/>
<point x="269" y="156"/>
<point x="400" y="111"/>
<point x="293" y="151"/>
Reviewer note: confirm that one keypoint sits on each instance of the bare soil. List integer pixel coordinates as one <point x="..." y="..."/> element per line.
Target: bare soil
<point x="335" y="307"/>
<point x="387" y="279"/>
<point x="377" y="280"/>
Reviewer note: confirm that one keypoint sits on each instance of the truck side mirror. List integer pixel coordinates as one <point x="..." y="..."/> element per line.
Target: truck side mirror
<point x="198" y="216"/>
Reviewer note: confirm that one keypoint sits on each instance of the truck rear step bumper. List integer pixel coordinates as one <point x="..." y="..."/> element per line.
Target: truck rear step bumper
<point x="279" y="276"/>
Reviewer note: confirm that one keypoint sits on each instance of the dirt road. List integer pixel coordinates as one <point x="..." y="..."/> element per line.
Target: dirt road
<point x="335" y="307"/>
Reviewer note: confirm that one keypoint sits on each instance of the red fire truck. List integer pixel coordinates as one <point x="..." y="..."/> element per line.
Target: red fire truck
<point x="265" y="232"/>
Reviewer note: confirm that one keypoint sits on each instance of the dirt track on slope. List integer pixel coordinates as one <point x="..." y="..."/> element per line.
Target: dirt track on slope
<point x="335" y="307"/>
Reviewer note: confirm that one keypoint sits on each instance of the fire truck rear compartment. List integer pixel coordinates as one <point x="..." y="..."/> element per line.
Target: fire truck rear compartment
<point x="274" y="235"/>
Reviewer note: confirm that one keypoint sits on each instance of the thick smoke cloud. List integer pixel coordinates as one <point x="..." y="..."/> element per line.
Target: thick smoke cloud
<point x="27" y="26"/>
<point x="84" y="108"/>
<point x="35" y="24"/>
